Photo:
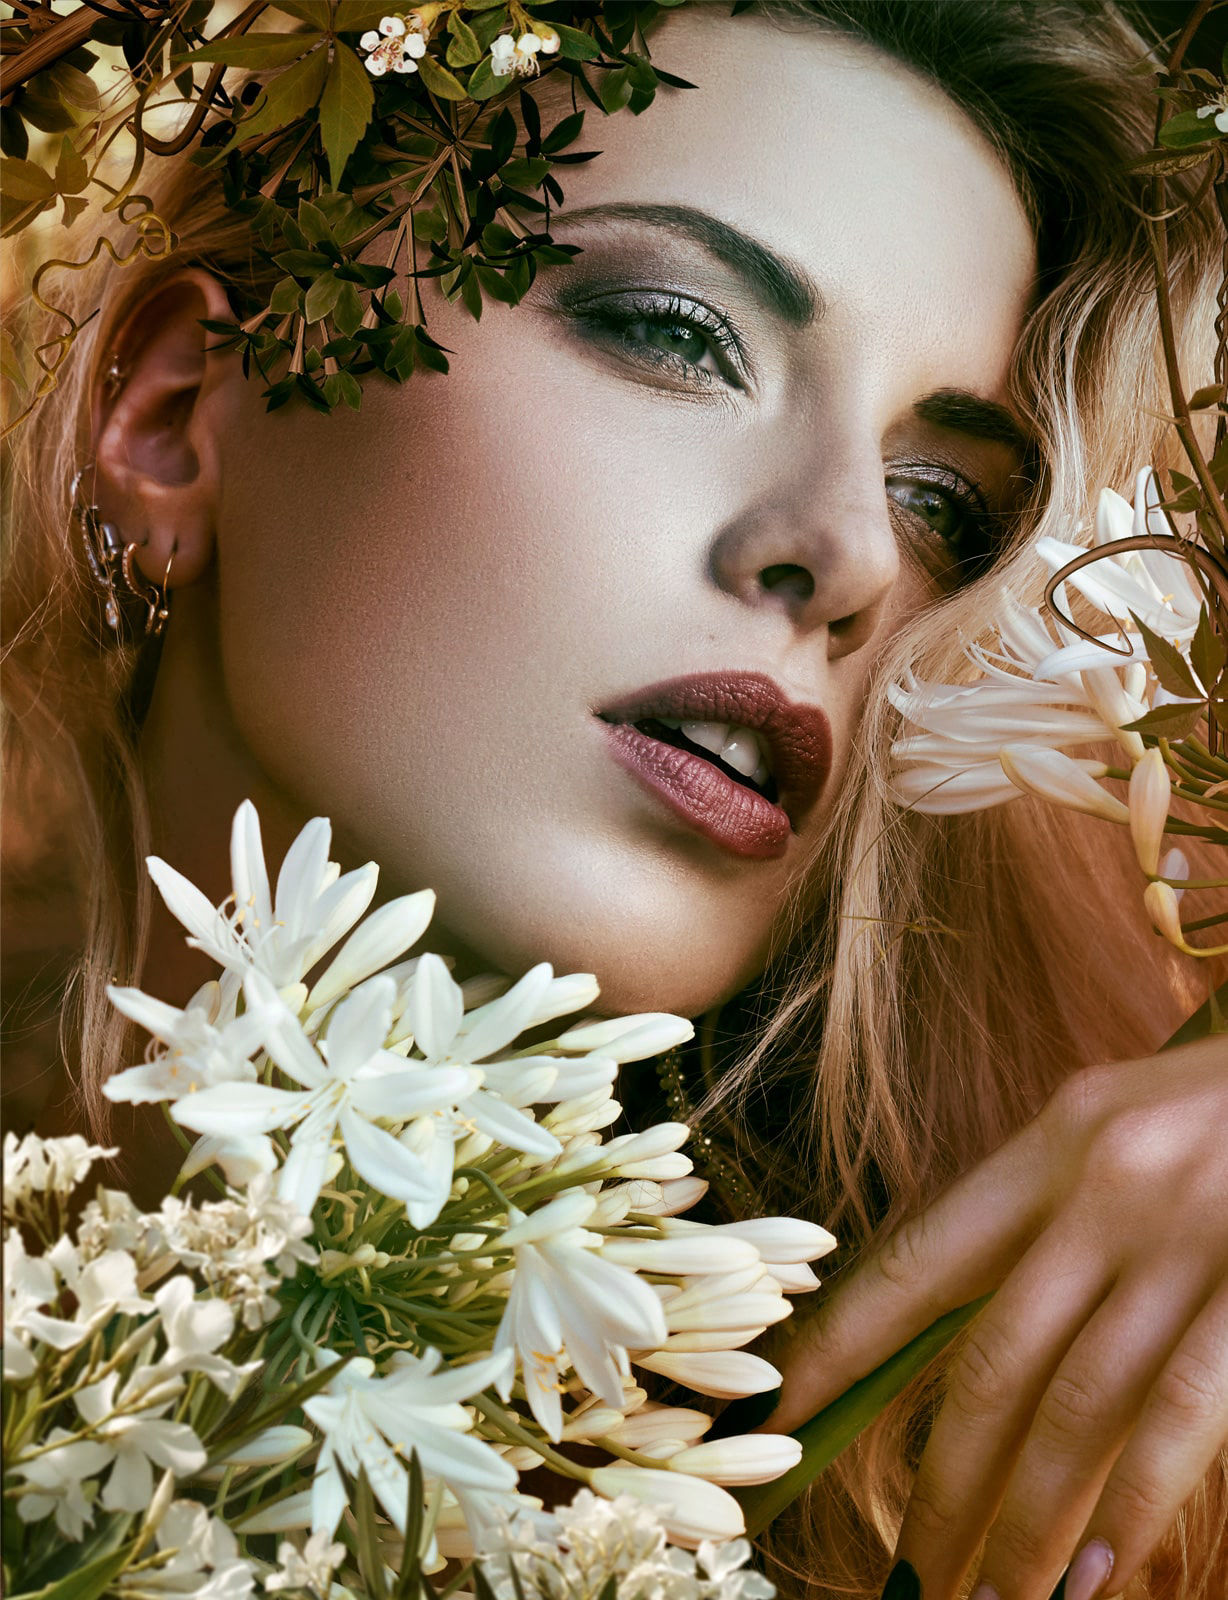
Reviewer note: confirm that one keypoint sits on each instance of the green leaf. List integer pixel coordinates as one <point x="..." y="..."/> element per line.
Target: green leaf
<point x="255" y="50"/>
<point x="483" y="85"/>
<point x="835" y="1427"/>
<point x="616" y="89"/>
<point x="1188" y="128"/>
<point x="345" y="110"/>
<point x="287" y="97"/>
<point x="84" y="1583"/>
<point x="1170" y="666"/>
<point x="575" y="44"/>
<point x="343" y="388"/>
<point x="1169" y="722"/>
<point x="439" y="80"/>
<point x="495" y="284"/>
<point x="1207" y="651"/>
<point x="25" y="182"/>
<point x="313" y="224"/>
<point x="563" y="133"/>
<point x="471" y="295"/>
<point x="356" y="16"/>
<point x="286" y="297"/>
<point x="347" y="313"/>
<point x="322" y="297"/>
<point x="78" y="88"/>
<point x="464" y="49"/>
<point x="71" y="170"/>
<point x="302" y="263"/>
<point x="370" y="1559"/>
<point x="527" y="170"/>
<point x="316" y="13"/>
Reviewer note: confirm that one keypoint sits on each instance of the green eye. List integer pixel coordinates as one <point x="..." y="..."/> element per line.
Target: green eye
<point x="675" y="337"/>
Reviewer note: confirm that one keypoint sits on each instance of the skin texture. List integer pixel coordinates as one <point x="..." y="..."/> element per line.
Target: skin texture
<point x="405" y="620"/>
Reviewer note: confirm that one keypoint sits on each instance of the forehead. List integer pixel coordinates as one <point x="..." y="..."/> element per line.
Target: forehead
<point x="849" y="163"/>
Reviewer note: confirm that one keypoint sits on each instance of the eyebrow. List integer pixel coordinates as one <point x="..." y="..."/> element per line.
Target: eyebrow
<point x="781" y="285"/>
<point x="788" y="290"/>
<point x="969" y="414"/>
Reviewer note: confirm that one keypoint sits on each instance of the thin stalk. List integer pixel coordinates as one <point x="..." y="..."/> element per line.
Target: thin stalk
<point x="507" y="1423"/>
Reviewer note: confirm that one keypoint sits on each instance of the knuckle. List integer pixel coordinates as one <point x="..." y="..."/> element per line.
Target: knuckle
<point x="1133" y="1502"/>
<point x="1190" y="1389"/>
<point x="903" y="1259"/>
<point x="932" y="1513"/>
<point x="1081" y="1100"/>
<point x="1017" y="1546"/>
<point x="983" y="1374"/>
<point x="1071" y="1407"/>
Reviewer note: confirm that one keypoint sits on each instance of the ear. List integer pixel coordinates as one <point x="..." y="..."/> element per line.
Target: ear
<point x="156" y="404"/>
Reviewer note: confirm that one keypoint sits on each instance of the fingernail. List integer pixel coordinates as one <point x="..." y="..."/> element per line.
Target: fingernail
<point x="744" y="1414"/>
<point x="1088" y="1573"/>
<point x="984" y="1591"/>
<point x="902" y="1583"/>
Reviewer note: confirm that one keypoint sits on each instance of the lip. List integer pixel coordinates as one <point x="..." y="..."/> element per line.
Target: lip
<point x="741" y="820"/>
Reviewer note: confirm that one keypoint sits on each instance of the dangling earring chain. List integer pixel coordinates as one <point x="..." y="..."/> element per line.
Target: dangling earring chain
<point x="114" y="574"/>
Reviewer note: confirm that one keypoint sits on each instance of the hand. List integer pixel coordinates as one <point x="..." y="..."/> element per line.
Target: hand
<point x="1091" y="1396"/>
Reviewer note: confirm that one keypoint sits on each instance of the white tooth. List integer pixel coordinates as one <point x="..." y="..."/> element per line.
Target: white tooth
<point x="761" y="775"/>
<point x="741" y="751"/>
<point x="669" y="722"/>
<point x="708" y="735"/>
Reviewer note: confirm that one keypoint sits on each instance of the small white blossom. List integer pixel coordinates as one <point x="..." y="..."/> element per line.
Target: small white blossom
<point x="135" y="1434"/>
<point x="516" y="57"/>
<point x="34" y="1166"/>
<point x="1219" y="110"/>
<point x="59" y="1482"/>
<point x="309" y="1568"/>
<point x="396" y="47"/>
<point x="204" y="1560"/>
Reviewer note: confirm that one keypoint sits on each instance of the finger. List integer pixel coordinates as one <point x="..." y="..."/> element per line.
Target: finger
<point x="996" y="1383"/>
<point x="1182" y="1428"/>
<point x="956" y="1250"/>
<point x="1083" y="1420"/>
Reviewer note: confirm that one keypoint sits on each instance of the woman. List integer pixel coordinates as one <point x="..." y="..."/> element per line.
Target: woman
<point x="863" y="302"/>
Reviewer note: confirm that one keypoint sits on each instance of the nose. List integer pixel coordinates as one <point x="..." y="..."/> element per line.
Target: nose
<point x="813" y="539"/>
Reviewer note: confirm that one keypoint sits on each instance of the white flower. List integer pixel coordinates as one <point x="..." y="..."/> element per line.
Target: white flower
<point x="649" y="1033"/>
<point x="569" y="1306"/>
<point x="396" y="47"/>
<point x="34" y="1166"/>
<point x="204" y="1560"/>
<point x="58" y="1480"/>
<point x="726" y="1374"/>
<point x="102" y="1288"/>
<point x="29" y="1284"/>
<point x="199" y="1053"/>
<point x="515" y="56"/>
<point x="310" y="1568"/>
<point x="133" y="1438"/>
<point x="195" y="1330"/>
<point x="281" y="937"/>
<point x="1161" y="901"/>
<point x="350" y="1083"/>
<point x="1219" y="110"/>
<point x="374" y="1423"/>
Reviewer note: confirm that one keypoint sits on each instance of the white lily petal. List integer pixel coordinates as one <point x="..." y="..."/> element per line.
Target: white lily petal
<point x="379" y="940"/>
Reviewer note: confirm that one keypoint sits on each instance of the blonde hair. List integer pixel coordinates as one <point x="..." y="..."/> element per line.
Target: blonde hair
<point x="941" y="989"/>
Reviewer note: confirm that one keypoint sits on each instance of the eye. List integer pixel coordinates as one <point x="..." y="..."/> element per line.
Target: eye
<point x="682" y="339"/>
<point x="952" y="528"/>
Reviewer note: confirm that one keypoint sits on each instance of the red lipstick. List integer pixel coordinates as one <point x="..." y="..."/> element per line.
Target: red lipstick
<point x="749" y="820"/>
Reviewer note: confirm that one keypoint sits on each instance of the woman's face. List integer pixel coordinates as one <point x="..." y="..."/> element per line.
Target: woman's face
<point x="749" y="429"/>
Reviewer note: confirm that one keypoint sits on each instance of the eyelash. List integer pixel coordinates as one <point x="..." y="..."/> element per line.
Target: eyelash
<point x="616" y="318"/>
<point x="613" y="320"/>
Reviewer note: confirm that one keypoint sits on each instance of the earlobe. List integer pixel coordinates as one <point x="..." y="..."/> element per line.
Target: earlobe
<point x="157" y="464"/>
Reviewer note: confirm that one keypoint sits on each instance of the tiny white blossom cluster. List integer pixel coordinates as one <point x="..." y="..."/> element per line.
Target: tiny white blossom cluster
<point x="1042" y="694"/>
<point x="595" y="1542"/>
<point x="431" y="1271"/>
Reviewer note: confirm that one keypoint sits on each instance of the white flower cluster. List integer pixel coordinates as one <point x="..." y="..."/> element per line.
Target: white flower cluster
<point x="481" y="1276"/>
<point x="593" y="1542"/>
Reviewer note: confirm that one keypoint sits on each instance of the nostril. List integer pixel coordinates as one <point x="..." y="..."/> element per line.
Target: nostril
<point x="788" y="580"/>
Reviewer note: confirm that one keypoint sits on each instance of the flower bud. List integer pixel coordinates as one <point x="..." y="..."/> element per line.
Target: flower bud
<point x="549" y="38"/>
<point x="725" y="1374"/>
<point x="1161" y="902"/>
<point x="746" y="1458"/>
<point x="1062" y="781"/>
<point x="1150" y="792"/>
<point x="1174" y="863"/>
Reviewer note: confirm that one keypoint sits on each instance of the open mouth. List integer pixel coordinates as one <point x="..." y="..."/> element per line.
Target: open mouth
<point x="737" y="752"/>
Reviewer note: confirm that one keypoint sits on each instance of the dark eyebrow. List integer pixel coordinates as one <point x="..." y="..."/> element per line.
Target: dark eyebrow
<point x="782" y="285"/>
<point x="968" y="413"/>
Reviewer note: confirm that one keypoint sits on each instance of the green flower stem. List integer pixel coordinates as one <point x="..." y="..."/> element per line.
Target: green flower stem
<point x="507" y="1423"/>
